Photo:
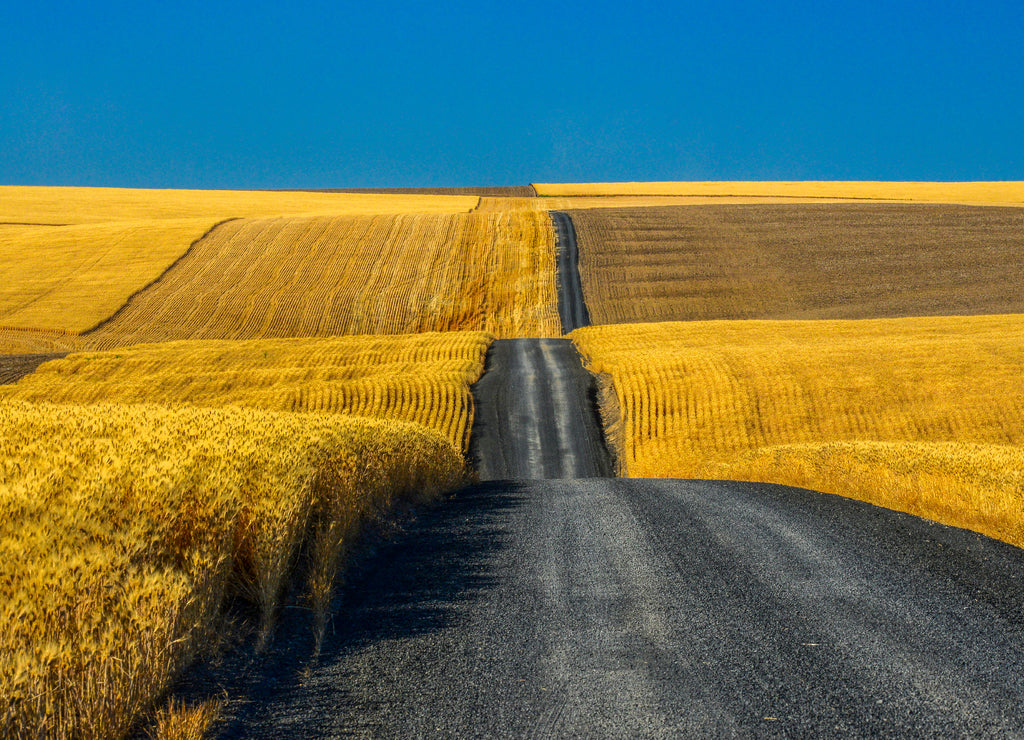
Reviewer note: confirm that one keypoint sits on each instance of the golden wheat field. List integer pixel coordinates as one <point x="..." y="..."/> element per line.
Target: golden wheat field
<point x="352" y="275"/>
<point x="421" y="378"/>
<point x="73" y="256"/>
<point x="72" y="205"/>
<point x="125" y="527"/>
<point x="720" y="398"/>
<point x="995" y="193"/>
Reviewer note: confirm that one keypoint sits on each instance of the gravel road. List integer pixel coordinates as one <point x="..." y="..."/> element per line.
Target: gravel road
<point x="625" y="608"/>
<point x="571" y="307"/>
<point x="536" y="416"/>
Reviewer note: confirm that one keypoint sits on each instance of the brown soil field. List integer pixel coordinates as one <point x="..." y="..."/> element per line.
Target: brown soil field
<point x="324" y="276"/>
<point x="799" y="261"/>
<point x="14" y="367"/>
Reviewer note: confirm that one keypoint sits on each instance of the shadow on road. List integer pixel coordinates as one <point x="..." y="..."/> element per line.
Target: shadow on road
<point x="410" y="581"/>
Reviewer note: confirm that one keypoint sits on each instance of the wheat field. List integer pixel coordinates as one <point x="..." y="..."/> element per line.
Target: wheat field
<point x="979" y="193"/>
<point x="123" y="529"/>
<point x="422" y="378"/>
<point x="77" y="205"/>
<point x="71" y="257"/>
<point x="352" y="275"/>
<point x="718" y="398"/>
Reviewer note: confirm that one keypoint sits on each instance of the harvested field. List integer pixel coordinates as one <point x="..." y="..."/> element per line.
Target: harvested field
<point x="125" y="529"/>
<point x="513" y="191"/>
<point x="73" y="277"/>
<point x="421" y="378"/>
<point x="71" y="257"/>
<point x="1002" y="193"/>
<point x="14" y="367"/>
<point x="295" y="277"/>
<point x="807" y="402"/>
<point x="32" y="341"/>
<point x="799" y="261"/>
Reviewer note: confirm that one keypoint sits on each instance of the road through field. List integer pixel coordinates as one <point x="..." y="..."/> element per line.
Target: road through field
<point x="535" y="414"/>
<point x="572" y="308"/>
<point x="656" y="608"/>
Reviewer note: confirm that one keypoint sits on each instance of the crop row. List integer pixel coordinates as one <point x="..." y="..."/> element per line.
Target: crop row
<point x="298" y="277"/>
<point x="718" y="399"/>
<point x="423" y="378"/>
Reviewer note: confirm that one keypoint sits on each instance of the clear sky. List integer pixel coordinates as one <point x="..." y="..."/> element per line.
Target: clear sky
<point x="382" y="93"/>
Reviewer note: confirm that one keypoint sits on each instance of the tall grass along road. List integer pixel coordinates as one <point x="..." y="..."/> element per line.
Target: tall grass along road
<point x="535" y="414"/>
<point x="614" y="608"/>
<point x="572" y="309"/>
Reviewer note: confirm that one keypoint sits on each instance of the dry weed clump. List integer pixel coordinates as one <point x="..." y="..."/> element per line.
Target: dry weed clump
<point x="422" y="378"/>
<point x="721" y="399"/>
<point x="125" y="528"/>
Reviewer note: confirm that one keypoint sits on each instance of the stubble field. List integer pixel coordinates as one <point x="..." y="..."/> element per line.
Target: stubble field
<point x="324" y="276"/>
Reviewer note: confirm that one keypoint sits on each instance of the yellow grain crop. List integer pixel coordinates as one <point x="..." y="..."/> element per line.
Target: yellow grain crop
<point x="49" y="205"/>
<point x="715" y="399"/>
<point x="974" y="193"/>
<point x="353" y="275"/>
<point x="70" y="257"/>
<point x="122" y="529"/>
<point x="422" y="378"/>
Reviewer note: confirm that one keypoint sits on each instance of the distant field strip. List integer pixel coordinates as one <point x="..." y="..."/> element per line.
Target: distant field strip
<point x="71" y="257"/>
<point x="124" y="531"/>
<point x="799" y="261"/>
<point x="47" y="205"/>
<point x="803" y="402"/>
<point x="936" y="192"/>
<point x="423" y="378"/>
<point x="353" y="275"/>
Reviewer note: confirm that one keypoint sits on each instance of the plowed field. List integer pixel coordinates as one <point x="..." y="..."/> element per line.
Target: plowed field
<point x="799" y="261"/>
<point x="925" y="192"/>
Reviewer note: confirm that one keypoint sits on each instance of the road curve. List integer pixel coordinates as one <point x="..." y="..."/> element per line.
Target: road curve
<point x="536" y="414"/>
<point x="572" y="308"/>
<point x="626" y="608"/>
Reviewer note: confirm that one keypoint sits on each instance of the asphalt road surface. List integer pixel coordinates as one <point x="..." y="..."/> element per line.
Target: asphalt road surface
<point x="571" y="307"/>
<point x="637" y="608"/>
<point x="536" y="415"/>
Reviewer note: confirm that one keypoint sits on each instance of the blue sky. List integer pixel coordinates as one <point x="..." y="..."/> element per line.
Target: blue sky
<point x="328" y="94"/>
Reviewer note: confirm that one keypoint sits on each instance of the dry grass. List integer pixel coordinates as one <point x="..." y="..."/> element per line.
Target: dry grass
<point x="719" y="398"/>
<point x="422" y="378"/>
<point x="799" y="261"/>
<point x="1001" y="193"/>
<point x="125" y="528"/>
<point x="353" y="275"/>
<point x="179" y="721"/>
<point x="71" y="257"/>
